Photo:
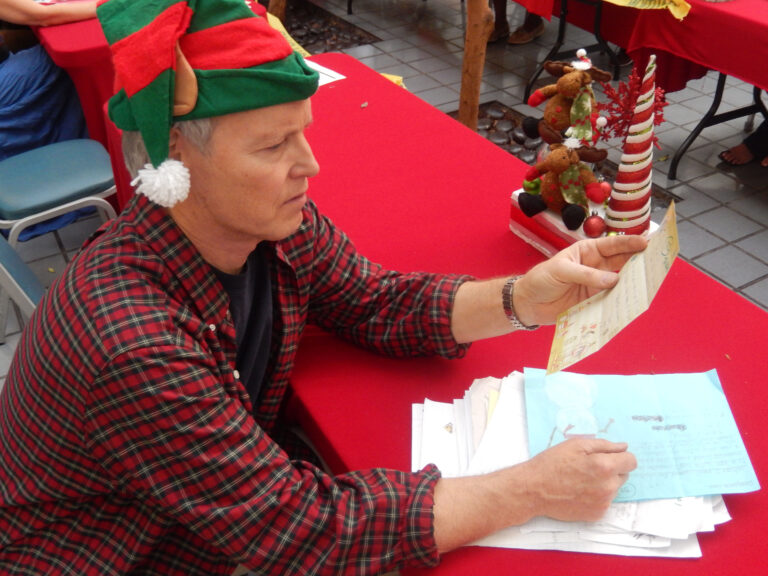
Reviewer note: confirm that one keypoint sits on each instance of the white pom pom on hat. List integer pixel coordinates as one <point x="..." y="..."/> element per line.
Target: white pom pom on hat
<point x="582" y="62"/>
<point x="165" y="185"/>
<point x="168" y="52"/>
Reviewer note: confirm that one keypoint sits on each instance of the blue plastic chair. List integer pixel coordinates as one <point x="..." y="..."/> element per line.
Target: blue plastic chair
<point x="48" y="182"/>
<point x="18" y="280"/>
<point x="52" y="180"/>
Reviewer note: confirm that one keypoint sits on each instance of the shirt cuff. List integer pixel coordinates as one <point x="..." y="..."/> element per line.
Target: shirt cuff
<point x="440" y="314"/>
<point x="418" y="530"/>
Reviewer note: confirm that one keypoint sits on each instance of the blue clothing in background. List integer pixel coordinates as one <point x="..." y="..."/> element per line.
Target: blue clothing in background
<point x="38" y="103"/>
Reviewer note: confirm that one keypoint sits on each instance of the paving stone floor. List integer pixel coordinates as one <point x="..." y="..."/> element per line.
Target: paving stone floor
<point x="722" y="211"/>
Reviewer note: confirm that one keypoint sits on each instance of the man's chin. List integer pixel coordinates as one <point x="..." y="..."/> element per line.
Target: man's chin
<point x="289" y="229"/>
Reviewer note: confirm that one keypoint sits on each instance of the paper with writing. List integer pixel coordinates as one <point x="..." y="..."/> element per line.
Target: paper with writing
<point x="493" y="413"/>
<point x="588" y="326"/>
<point x="679" y="427"/>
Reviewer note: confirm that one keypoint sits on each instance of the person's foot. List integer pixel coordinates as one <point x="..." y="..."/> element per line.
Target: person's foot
<point x="738" y="156"/>
<point x="500" y="33"/>
<point x="525" y="34"/>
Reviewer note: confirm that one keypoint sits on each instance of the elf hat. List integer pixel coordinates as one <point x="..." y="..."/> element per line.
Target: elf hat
<point x="188" y="59"/>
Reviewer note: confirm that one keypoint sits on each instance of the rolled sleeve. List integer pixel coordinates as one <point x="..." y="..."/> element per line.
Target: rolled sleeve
<point x="418" y="534"/>
<point x="236" y="489"/>
<point x="394" y="313"/>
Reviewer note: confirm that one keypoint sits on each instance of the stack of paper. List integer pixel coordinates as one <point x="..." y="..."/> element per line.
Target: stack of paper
<point x="673" y="494"/>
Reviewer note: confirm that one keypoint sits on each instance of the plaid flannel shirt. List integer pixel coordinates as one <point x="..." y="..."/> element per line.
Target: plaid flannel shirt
<point x="128" y="446"/>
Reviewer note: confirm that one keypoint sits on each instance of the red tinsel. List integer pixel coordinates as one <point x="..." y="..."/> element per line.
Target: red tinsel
<point x="620" y="107"/>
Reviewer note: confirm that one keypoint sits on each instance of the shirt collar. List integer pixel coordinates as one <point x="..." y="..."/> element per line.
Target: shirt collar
<point x="164" y="237"/>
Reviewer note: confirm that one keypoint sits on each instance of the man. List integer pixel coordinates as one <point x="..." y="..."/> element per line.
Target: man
<point x="141" y="429"/>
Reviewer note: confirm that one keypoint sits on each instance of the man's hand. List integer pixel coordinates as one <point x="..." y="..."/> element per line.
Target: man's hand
<point x="548" y="289"/>
<point x="574" y="481"/>
<point x="572" y="275"/>
<point x="579" y="478"/>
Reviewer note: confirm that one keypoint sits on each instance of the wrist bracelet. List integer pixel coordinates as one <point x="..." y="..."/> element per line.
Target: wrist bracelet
<point x="509" y="308"/>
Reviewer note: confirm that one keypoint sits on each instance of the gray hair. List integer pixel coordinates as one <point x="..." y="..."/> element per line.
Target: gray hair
<point x="197" y="132"/>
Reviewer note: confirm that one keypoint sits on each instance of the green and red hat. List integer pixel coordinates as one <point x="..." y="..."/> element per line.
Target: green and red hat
<point x="187" y="59"/>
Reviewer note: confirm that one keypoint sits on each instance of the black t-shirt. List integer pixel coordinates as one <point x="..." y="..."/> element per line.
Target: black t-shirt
<point x="250" y="303"/>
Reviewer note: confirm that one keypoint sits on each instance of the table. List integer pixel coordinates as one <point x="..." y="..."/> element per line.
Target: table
<point x="415" y="190"/>
<point x="730" y="37"/>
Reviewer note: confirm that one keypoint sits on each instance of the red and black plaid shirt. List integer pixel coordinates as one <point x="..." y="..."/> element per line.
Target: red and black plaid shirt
<point x="127" y="444"/>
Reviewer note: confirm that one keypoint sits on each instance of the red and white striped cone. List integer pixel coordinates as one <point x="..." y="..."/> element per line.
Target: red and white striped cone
<point x="629" y="207"/>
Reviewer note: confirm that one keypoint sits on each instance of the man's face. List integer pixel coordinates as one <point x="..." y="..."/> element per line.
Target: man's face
<point x="251" y="182"/>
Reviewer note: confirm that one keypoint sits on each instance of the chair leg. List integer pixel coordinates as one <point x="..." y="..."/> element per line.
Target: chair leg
<point x="103" y="214"/>
<point x="106" y="212"/>
<point x="4" y="306"/>
<point x="13" y="239"/>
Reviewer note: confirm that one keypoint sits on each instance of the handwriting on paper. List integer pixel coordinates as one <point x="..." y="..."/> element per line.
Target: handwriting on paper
<point x="585" y="328"/>
<point x="678" y="426"/>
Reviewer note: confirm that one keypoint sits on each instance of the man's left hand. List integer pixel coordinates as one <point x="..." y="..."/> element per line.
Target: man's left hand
<point x="572" y="275"/>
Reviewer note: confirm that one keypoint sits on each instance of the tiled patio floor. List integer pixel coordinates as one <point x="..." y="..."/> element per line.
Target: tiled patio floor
<point x="722" y="211"/>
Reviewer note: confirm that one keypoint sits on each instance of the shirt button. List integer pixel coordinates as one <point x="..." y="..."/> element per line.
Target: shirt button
<point x="212" y="327"/>
<point x="237" y="375"/>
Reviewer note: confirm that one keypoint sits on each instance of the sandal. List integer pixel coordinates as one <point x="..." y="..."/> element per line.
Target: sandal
<point x="742" y="153"/>
<point x="523" y="36"/>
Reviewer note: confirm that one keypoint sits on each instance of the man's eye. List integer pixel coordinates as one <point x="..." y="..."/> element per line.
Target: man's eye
<point x="277" y="146"/>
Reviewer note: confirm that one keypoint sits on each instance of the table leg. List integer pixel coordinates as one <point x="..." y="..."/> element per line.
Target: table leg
<point x="711" y="118"/>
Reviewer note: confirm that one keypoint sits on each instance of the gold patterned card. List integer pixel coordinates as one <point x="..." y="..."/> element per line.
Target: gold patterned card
<point x="585" y="328"/>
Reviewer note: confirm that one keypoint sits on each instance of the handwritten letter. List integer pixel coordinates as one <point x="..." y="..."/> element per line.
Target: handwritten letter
<point x="588" y="326"/>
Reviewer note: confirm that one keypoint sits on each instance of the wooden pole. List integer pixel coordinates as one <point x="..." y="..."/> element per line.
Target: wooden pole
<point x="277" y="9"/>
<point x="479" y="26"/>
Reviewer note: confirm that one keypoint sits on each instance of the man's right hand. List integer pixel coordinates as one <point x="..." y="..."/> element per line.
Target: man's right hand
<point x="574" y="481"/>
<point x="578" y="479"/>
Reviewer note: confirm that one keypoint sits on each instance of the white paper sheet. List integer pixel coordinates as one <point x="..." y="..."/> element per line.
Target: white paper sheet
<point x="492" y="416"/>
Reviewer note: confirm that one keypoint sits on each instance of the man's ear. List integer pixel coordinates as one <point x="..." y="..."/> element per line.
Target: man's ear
<point x="175" y="144"/>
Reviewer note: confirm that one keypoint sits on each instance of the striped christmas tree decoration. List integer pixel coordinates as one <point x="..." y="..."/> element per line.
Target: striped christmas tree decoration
<point x="629" y="206"/>
<point x="183" y="60"/>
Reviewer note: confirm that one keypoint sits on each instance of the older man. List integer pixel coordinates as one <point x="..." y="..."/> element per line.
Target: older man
<point x="141" y="429"/>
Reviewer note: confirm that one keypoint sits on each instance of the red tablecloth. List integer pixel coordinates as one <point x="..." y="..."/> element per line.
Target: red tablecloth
<point x="417" y="191"/>
<point x="730" y="37"/>
<point x="81" y="49"/>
